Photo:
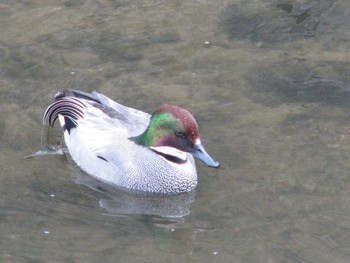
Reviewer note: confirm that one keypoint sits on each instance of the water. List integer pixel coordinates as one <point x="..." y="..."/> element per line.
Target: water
<point x="268" y="82"/>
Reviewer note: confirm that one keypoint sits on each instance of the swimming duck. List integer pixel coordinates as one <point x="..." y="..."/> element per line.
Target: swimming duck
<point x="129" y="148"/>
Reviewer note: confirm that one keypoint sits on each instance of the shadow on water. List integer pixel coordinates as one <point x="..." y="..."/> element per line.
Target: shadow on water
<point x="301" y="82"/>
<point x="273" y="22"/>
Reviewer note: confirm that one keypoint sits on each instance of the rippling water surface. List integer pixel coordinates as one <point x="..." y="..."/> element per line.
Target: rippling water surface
<point x="268" y="82"/>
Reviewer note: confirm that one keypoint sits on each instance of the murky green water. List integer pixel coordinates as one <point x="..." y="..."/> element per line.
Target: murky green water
<point x="269" y="84"/>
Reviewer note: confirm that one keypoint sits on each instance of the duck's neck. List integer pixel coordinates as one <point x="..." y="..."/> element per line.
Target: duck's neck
<point x="155" y="130"/>
<point x="143" y="139"/>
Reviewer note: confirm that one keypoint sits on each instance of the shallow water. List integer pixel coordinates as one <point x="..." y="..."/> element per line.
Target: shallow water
<point x="268" y="82"/>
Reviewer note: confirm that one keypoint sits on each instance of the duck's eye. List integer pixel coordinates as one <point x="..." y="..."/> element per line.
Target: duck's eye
<point x="180" y="133"/>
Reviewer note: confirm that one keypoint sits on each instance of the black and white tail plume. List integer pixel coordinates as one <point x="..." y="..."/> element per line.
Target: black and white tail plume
<point x="70" y="108"/>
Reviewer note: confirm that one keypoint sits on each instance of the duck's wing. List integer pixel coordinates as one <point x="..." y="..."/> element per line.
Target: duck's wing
<point x="98" y="108"/>
<point x="129" y="113"/>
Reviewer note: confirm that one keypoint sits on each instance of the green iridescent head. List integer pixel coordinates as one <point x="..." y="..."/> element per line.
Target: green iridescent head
<point x="172" y="126"/>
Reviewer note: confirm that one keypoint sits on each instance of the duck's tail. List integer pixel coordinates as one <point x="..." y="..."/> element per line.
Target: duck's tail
<point x="69" y="106"/>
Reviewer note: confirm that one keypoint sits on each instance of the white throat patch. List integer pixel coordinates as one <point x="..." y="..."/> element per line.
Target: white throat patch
<point x="166" y="150"/>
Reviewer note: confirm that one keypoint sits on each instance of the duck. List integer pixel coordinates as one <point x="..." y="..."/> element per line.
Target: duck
<point x="129" y="148"/>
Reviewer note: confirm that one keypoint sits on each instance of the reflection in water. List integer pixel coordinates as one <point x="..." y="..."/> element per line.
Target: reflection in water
<point x="119" y="202"/>
<point x="165" y="206"/>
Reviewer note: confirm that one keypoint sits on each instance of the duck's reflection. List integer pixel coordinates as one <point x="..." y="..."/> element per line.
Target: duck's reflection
<point x="119" y="202"/>
<point x="165" y="206"/>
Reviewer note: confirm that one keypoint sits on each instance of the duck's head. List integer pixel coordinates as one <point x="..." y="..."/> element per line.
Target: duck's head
<point x="172" y="131"/>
